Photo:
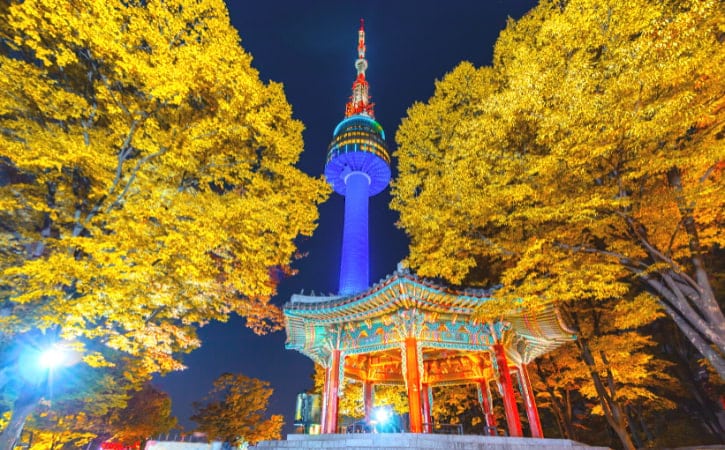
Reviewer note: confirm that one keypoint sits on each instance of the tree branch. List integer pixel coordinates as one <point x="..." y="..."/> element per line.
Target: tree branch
<point x="134" y="172"/>
<point x="654" y="252"/>
<point x="672" y="238"/>
<point x="86" y="124"/>
<point x="629" y="263"/>
<point x="676" y="302"/>
<point x="714" y="357"/>
<point x="123" y="153"/>
<point x="709" y="171"/>
<point x="703" y="286"/>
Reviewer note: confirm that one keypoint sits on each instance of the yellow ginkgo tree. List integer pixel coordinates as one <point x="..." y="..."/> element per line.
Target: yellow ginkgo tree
<point x="147" y="177"/>
<point x="587" y="160"/>
<point x="235" y="411"/>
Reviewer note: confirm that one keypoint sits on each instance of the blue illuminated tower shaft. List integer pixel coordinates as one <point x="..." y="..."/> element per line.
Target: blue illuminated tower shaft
<point x="358" y="167"/>
<point x="354" y="266"/>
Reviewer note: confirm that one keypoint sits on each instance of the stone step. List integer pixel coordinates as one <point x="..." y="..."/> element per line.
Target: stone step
<point x="409" y="441"/>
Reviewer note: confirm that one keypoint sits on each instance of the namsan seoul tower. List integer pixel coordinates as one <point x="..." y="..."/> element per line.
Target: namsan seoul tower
<point x="358" y="167"/>
<point x="404" y="330"/>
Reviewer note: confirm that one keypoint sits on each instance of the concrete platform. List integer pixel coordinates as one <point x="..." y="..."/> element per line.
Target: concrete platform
<point x="396" y="441"/>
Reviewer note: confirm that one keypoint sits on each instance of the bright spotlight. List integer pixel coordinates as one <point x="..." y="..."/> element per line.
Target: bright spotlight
<point x="382" y="415"/>
<point x="52" y="358"/>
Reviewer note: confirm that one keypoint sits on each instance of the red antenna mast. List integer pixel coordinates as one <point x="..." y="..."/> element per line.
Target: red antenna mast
<point x="360" y="99"/>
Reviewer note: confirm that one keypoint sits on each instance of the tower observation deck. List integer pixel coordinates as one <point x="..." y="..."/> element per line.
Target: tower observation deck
<point x="357" y="167"/>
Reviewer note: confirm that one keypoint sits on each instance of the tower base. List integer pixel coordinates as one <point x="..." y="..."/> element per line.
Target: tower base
<point x="413" y="441"/>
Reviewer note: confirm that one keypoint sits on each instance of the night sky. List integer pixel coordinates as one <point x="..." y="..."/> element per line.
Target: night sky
<point x="310" y="47"/>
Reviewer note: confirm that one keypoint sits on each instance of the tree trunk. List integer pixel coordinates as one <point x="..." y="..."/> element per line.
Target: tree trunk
<point x="561" y="411"/>
<point x="612" y="410"/>
<point x="643" y="424"/>
<point x="690" y="297"/>
<point x="684" y="318"/>
<point x="635" y="433"/>
<point x="704" y="406"/>
<point x="23" y="407"/>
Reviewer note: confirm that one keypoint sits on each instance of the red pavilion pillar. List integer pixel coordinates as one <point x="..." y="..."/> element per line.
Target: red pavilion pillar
<point x="484" y="398"/>
<point x="426" y="394"/>
<point x="412" y="378"/>
<point x="331" y="399"/>
<point x="532" y="412"/>
<point x="507" y="392"/>
<point x="368" y="400"/>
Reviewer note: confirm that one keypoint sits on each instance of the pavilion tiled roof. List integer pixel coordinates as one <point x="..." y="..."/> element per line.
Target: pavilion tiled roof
<point x="399" y="290"/>
<point x="308" y="317"/>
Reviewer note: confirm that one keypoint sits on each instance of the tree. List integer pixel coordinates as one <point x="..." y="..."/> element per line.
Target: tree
<point x="458" y="404"/>
<point x="147" y="179"/>
<point x="557" y="388"/>
<point x="234" y="411"/>
<point x="104" y="412"/>
<point x="77" y="400"/>
<point x="54" y="430"/>
<point x="621" y="372"/>
<point x="587" y="160"/>
<point x="147" y="413"/>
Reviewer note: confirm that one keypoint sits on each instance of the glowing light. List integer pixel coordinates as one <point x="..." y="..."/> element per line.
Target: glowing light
<point x="52" y="358"/>
<point x="382" y="415"/>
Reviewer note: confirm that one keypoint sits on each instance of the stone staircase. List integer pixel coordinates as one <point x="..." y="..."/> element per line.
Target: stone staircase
<point x="399" y="441"/>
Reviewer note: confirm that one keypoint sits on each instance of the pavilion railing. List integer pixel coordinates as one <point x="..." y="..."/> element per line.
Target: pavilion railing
<point x="443" y="428"/>
<point x="432" y="428"/>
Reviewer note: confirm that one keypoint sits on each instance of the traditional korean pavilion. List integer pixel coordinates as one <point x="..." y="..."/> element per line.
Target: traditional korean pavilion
<point x="405" y="330"/>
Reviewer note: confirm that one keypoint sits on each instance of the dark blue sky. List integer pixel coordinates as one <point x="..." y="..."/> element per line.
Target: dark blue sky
<point x="310" y="47"/>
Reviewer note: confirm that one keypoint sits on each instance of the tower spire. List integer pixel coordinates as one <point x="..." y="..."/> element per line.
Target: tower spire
<point x="360" y="99"/>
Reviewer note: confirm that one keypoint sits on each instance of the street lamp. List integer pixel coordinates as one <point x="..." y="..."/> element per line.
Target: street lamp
<point x="35" y="369"/>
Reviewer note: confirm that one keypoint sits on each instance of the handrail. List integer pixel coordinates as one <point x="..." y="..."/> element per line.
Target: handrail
<point x="443" y="428"/>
